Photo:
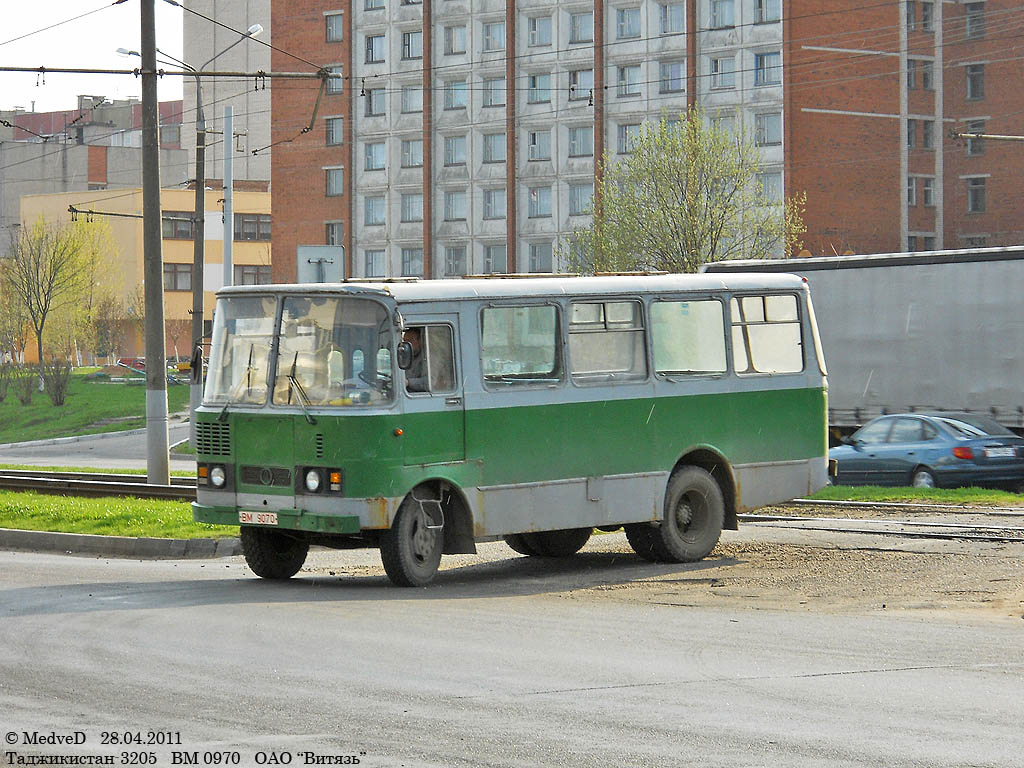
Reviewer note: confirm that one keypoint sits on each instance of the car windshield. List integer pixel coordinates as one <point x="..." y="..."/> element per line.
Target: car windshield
<point x="243" y="328"/>
<point x="333" y="351"/>
<point x="963" y="425"/>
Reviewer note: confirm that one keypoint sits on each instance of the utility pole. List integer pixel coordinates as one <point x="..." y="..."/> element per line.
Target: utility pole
<point x="157" y="459"/>
<point x="195" y="397"/>
<point x="229" y="206"/>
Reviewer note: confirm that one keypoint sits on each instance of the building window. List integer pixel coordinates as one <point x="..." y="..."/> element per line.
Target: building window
<point x="928" y="134"/>
<point x="375" y="102"/>
<point x="911" y="191"/>
<point x="627" y="23"/>
<point x="628" y="135"/>
<point x="455" y="94"/>
<point x="771" y="186"/>
<point x="412" y="98"/>
<point x="494" y="203"/>
<point x="768" y="68"/>
<point x="911" y="74"/>
<point x="375" y="153"/>
<point x="334" y="23"/>
<point x="335" y="181"/>
<point x="178" y="225"/>
<point x="335" y="85"/>
<point x="251" y="274"/>
<point x="454" y="150"/>
<point x="628" y="81"/>
<point x="455" y="205"/>
<point x="494" y="36"/>
<point x="976" y="195"/>
<point x="539" y="144"/>
<point x="928" y="191"/>
<point x="177" y="277"/>
<point x="975" y="20"/>
<point x="412" y="153"/>
<point x="581" y="84"/>
<point x="540" y="257"/>
<point x="495" y="259"/>
<point x="581" y="27"/>
<point x="494" y="92"/>
<point x="539" y="90"/>
<point x="723" y="72"/>
<point x="412" y="45"/>
<point x="376" y="45"/>
<point x="927" y="81"/>
<point x="724" y="124"/>
<point x="673" y="76"/>
<point x="539" y="202"/>
<point x="494" y="147"/>
<point x="334" y="233"/>
<point x="911" y="242"/>
<point x="412" y="207"/>
<point x="581" y="141"/>
<point x="768" y="129"/>
<point x="373" y="262"/>
<point x="412" y="262"/>
<point x="975" y="241"/>
<point x="579" y="198"/>
<point x="927" y="16"/>
<point x="373" y="5"/>
<point x="722" y="14"/>
<point x="540" y="30"/>
<point x="975" y="81"/>
<point x="911" y="133"/>
<point x="454" y="260"/>
<point x="454" y="40"/>
<point x="767" y="11"/>
<point x="335" y="130"/>
<point x="252" y="226"/>
<point x="975" y="146"/>
<point x="673" y="18"/>
<point x="373" y="211"/>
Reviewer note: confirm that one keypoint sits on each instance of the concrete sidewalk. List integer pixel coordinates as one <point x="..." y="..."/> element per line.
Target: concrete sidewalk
<point x="117" y="546"/>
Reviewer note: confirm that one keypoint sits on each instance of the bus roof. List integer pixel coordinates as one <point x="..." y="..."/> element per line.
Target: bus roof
<point x="867" y="260"/>
<point x="511" y="287"/>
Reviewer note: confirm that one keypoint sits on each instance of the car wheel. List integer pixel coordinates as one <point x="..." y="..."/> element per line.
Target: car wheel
<point x="923" y="478"/>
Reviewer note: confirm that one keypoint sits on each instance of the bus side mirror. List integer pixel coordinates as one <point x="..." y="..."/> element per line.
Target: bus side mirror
<point x="404" y="355"/>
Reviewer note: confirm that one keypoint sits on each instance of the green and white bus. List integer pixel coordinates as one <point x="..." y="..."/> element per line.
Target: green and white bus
<point x="533" y="409"/>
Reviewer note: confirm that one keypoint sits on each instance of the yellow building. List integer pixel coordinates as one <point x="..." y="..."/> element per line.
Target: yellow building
<point x="250" y="252"/>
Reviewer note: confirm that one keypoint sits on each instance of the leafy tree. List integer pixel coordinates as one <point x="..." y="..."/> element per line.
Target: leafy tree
<point x="688" y="193"/>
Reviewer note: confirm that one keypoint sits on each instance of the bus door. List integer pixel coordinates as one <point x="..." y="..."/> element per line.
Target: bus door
<point x="434" y="428"/>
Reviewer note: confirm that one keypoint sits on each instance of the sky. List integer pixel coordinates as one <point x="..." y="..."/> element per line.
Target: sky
<point x="90" y="42"/>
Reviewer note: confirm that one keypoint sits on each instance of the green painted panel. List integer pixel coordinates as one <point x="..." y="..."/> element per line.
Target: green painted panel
<point x="433" y="437"/>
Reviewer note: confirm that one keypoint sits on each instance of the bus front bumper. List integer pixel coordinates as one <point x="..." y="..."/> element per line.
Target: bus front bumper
<point x="288" y="519"/>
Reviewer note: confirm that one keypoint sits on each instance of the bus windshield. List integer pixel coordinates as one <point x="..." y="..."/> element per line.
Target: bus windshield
<point x="243" y="329"/>
<point x="333" y="351"/>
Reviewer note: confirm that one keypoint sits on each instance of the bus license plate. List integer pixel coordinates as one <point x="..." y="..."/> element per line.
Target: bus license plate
<point x="257" y="518"/>
<point x="999" y="453"/>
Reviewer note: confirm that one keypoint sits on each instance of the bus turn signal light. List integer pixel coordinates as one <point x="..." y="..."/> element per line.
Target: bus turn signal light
<point x="398" y="432"/>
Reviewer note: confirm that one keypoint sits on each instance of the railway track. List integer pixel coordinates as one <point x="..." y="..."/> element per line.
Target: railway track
<point x="876" y="518"/>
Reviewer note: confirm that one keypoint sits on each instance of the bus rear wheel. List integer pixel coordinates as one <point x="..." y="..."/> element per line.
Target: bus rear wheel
<point x="272" y="554"/>
<point x="411" y="548"/>
<point x="519" y="543"/>
<point x="562" y="543"/>
<point x="694" y="514"/>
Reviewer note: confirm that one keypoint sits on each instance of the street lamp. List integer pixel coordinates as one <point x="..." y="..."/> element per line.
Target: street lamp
<point x="199" y="222"/>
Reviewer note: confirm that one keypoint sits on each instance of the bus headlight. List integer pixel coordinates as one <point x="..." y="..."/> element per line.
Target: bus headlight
<point x="313" y="480"/>
<point x="218" y="477"/>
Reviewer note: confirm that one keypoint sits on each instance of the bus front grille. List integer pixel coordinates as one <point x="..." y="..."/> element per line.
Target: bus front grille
<point x="266" y="476"/>
<point x="213" y="438"/>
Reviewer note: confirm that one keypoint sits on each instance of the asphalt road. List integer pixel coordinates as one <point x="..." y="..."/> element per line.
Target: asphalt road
<point x="127" y="451"/>
<point x="498" y="664"/>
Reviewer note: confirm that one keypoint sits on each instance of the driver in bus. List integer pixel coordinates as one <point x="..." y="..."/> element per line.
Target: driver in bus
<point x="416" y="374"/>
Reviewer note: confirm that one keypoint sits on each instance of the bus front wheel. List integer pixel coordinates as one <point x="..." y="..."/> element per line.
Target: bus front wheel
<point x="694" y="514"/>
<point x="411" y="548"/>
<point x="272" y="554"/>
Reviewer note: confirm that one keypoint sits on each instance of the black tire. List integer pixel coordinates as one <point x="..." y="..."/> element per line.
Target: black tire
<point x="410" y="551"/>
<point x="922" y="477"/>
<point x="273" y="554"/>
<point x="694" y="514"/>
<point x="563" y="543"/>
<point x="519" y="543"/>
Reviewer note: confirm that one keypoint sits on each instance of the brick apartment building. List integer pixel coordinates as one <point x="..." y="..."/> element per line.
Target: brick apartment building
<point x="425" y="162"/>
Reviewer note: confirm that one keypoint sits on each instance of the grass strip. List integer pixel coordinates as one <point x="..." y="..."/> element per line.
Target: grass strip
<point x="99" y="470"/>
<point x="30" y="511"/>
<point x="969" y="496"/>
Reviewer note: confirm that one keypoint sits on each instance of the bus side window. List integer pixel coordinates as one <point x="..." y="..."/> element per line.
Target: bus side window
<point x="688" y="337"/>
<point x="433" y="367"/>
<point x="766" y="335"/>
<point x="520" y="345"/>
<point x="606" y="341"/>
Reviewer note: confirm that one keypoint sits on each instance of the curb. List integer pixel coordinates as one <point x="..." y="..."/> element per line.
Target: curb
<point x="81" y="438"/>
<point x="118" y="546"/>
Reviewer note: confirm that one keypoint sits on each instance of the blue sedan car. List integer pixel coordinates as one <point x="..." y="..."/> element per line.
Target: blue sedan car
<point x="929" y="450"/>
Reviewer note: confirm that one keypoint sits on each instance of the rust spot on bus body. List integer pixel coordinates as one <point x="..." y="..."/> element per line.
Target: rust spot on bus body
<point x="379" y="514"/>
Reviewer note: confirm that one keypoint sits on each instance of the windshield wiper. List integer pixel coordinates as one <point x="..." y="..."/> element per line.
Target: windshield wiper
<point x="222" y="416"/>
<point x="304" y="400"/>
